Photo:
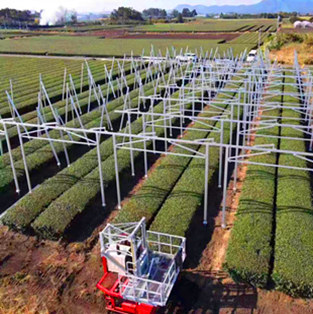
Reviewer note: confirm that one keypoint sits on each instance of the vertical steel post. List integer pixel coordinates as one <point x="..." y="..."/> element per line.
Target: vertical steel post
<point x="117" y="179"/>
<point x="64" y="83"/>
<point x="221" y="155"/>
<point x="11" y="89"/>
<point x="24" y="159"/>
<point x="152" y="124"/>
<point x="165" y="127"/>
<point x="236" y="155"/>
<point x="132" y="164"/>
<point x="82" y="78"/>
<point x="100" y="169"/>
<point x="145" y="147"/>
<point x="65" y="149"/>
<point x="11" y="158"/>
<point x="231" y="123"/>
<point x="225" y="188"/>
<point x="1" y="147"/>
<point x="89" y="95"/>
<point x="206" y="179"/>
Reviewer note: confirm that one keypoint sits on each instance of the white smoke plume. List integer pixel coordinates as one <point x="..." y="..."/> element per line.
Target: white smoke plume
<point x="56" y="16"/>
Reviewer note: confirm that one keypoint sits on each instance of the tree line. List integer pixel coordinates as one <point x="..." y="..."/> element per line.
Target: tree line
<point x="11" y="16"/>
<point x="254" y="16"/>
<point x="121" y="15"/>
<point x="124" y="14"/>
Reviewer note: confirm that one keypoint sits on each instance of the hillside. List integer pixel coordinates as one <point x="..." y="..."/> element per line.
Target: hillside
<point x="265" y="6"/>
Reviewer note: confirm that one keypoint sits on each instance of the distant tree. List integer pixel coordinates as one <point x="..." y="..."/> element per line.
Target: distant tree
<point x="186" y="12"/>
<point x="294" y="19"/>
<point x="194" y="13"/>
<point x="175" y="14"/>
<point x="272" y="16"/>
<point x="124" y="15"/>
<point x="73" y="16"/>
<point x="154" y="13"/>
<point x="180" y="18"/>
<point x="11" y="16"/>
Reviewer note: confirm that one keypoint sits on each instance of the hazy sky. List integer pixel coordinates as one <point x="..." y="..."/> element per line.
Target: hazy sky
<point x="107" y="5"/>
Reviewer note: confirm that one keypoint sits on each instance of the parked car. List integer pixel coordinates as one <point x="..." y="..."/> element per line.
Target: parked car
<point x="252" y="56"/>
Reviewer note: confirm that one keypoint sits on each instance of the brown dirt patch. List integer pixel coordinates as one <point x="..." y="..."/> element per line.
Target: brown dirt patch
<point x="41" y="276"/>
<point x="114" y="33"/>
<point x="124" y="34"/>
<point x="286" y="54"/>
<point x="283" y="56"/>
<point x="216" y="36"/>
<point x="214" y="255"/>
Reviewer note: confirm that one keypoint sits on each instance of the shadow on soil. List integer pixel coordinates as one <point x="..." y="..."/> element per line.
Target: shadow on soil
<point x="203" y="294"/>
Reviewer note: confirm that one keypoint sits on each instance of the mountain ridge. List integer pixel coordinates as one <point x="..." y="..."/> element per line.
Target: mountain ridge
<point x="264" y="6"/>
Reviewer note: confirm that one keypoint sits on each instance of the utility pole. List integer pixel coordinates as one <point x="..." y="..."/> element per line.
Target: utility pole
<point x="278" y="21"/>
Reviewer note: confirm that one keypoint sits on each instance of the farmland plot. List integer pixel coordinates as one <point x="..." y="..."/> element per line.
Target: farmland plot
<point x="209" y="25"/>
<point x="175" y="185"/>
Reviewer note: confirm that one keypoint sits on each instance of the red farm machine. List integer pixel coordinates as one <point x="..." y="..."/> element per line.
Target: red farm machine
<point x="140" y="267"/>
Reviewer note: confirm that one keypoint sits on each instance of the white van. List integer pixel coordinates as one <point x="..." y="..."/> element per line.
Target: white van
<point x="252" y="55"/>
<point x="187" y="57"/>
